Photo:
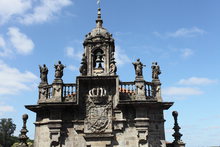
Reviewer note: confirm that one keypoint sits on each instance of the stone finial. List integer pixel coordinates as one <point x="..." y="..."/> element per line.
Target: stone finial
<point x="177" y="135"/>
<point x="112" y="66"/>
<point x="83" y="67"/>
<point x="23" y="137"/>
<point x="43" y="74"/>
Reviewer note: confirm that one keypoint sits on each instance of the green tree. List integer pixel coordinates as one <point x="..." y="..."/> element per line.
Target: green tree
<point x="7" y="128"/>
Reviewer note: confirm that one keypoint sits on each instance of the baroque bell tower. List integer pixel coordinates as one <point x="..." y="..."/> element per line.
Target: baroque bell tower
<point x="98" y="59"/>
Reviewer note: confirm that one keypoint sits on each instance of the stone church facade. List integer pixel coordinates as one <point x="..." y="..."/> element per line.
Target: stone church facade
<point x="99" y="110"/>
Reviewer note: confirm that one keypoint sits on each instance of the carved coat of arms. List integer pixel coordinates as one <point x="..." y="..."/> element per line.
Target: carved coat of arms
<point x="98" y="111"/>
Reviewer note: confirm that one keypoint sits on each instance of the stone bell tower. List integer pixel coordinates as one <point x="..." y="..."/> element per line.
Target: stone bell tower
<point x="99" y="110"/>
<point x="98" y="59"/>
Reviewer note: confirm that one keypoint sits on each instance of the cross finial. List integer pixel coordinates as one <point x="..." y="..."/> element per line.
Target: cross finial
<point x="98" y="3"/>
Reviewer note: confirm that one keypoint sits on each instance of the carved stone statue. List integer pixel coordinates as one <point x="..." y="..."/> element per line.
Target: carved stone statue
<point x="138" y="66"/>
<point x="59" y="70"/>
<point x="83" y="67"/>
<point x="155" y="71"/>
<point x="43" y="74"/>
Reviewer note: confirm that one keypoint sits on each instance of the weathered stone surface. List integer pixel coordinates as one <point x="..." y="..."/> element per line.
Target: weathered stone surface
<point x="99" y="110"/>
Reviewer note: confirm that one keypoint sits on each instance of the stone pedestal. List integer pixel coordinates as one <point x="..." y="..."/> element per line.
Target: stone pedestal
<point x="157" y="90"/>
<point x="57" y="90"/>
<point x="140" y="89"/>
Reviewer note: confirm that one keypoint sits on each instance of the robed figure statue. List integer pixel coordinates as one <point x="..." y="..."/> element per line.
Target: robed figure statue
<point x="138" y="66"/>
<point x="43" y="74"/>
<point x="59" y="70"/>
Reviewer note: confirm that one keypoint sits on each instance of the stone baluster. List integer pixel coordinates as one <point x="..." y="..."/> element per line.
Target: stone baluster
<point x="177" y="135"/>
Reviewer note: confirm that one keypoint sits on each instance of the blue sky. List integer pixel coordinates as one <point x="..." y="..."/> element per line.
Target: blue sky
<point x="182" y="36"/>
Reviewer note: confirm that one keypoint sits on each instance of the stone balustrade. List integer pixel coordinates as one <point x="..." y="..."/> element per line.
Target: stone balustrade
<point x="66" y="92"/>
<point x="57" y="93"/>
<point x="129" y="90"/>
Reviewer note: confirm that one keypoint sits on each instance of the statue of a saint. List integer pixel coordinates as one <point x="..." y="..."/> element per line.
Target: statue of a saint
<point x="59" y="70"/>
<point x="43" y="74"/>
<point x="155" y="71"/>
<point x="138" y="66"/>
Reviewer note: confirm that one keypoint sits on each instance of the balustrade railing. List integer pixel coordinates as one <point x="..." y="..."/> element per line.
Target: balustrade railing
<point x="149" y="89"/>
<point x="129" y="89"/>
<point x="69" y="90"/>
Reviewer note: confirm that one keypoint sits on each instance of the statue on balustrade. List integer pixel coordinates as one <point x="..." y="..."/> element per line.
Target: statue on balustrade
<point x="43" y="74"/>
<point x="59" y="70"/>
<point x="155" y="71"/>
<point x="138" y="66"/>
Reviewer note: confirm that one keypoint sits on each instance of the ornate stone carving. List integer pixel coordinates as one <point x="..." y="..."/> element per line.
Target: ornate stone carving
<point x="59" y="70"/>
<point x="138" y="66"/>
<point x="97" y="111"/>
<point x="43" y="74"/>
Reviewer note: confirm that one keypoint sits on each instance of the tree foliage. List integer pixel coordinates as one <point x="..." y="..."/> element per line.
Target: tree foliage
<point x="7" y="128"/>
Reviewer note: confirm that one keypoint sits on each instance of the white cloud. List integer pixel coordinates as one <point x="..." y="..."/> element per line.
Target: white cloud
<point x="187" y="52"/>
<point x="120" y="56"/>
<point x="186" y="32"/>
<point x="9" y="8"/>
<point x="71" y="52"/>
<point x="20" y="41"/>
<point x="196" y="81"/>
<point x="45" y="11"/>
<point x="181" y="91"/>
<point x="72" y="68"/>
<point x="4" y="50"/>
<point x="182" y="32"/>
<point x="14" y="81"/>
